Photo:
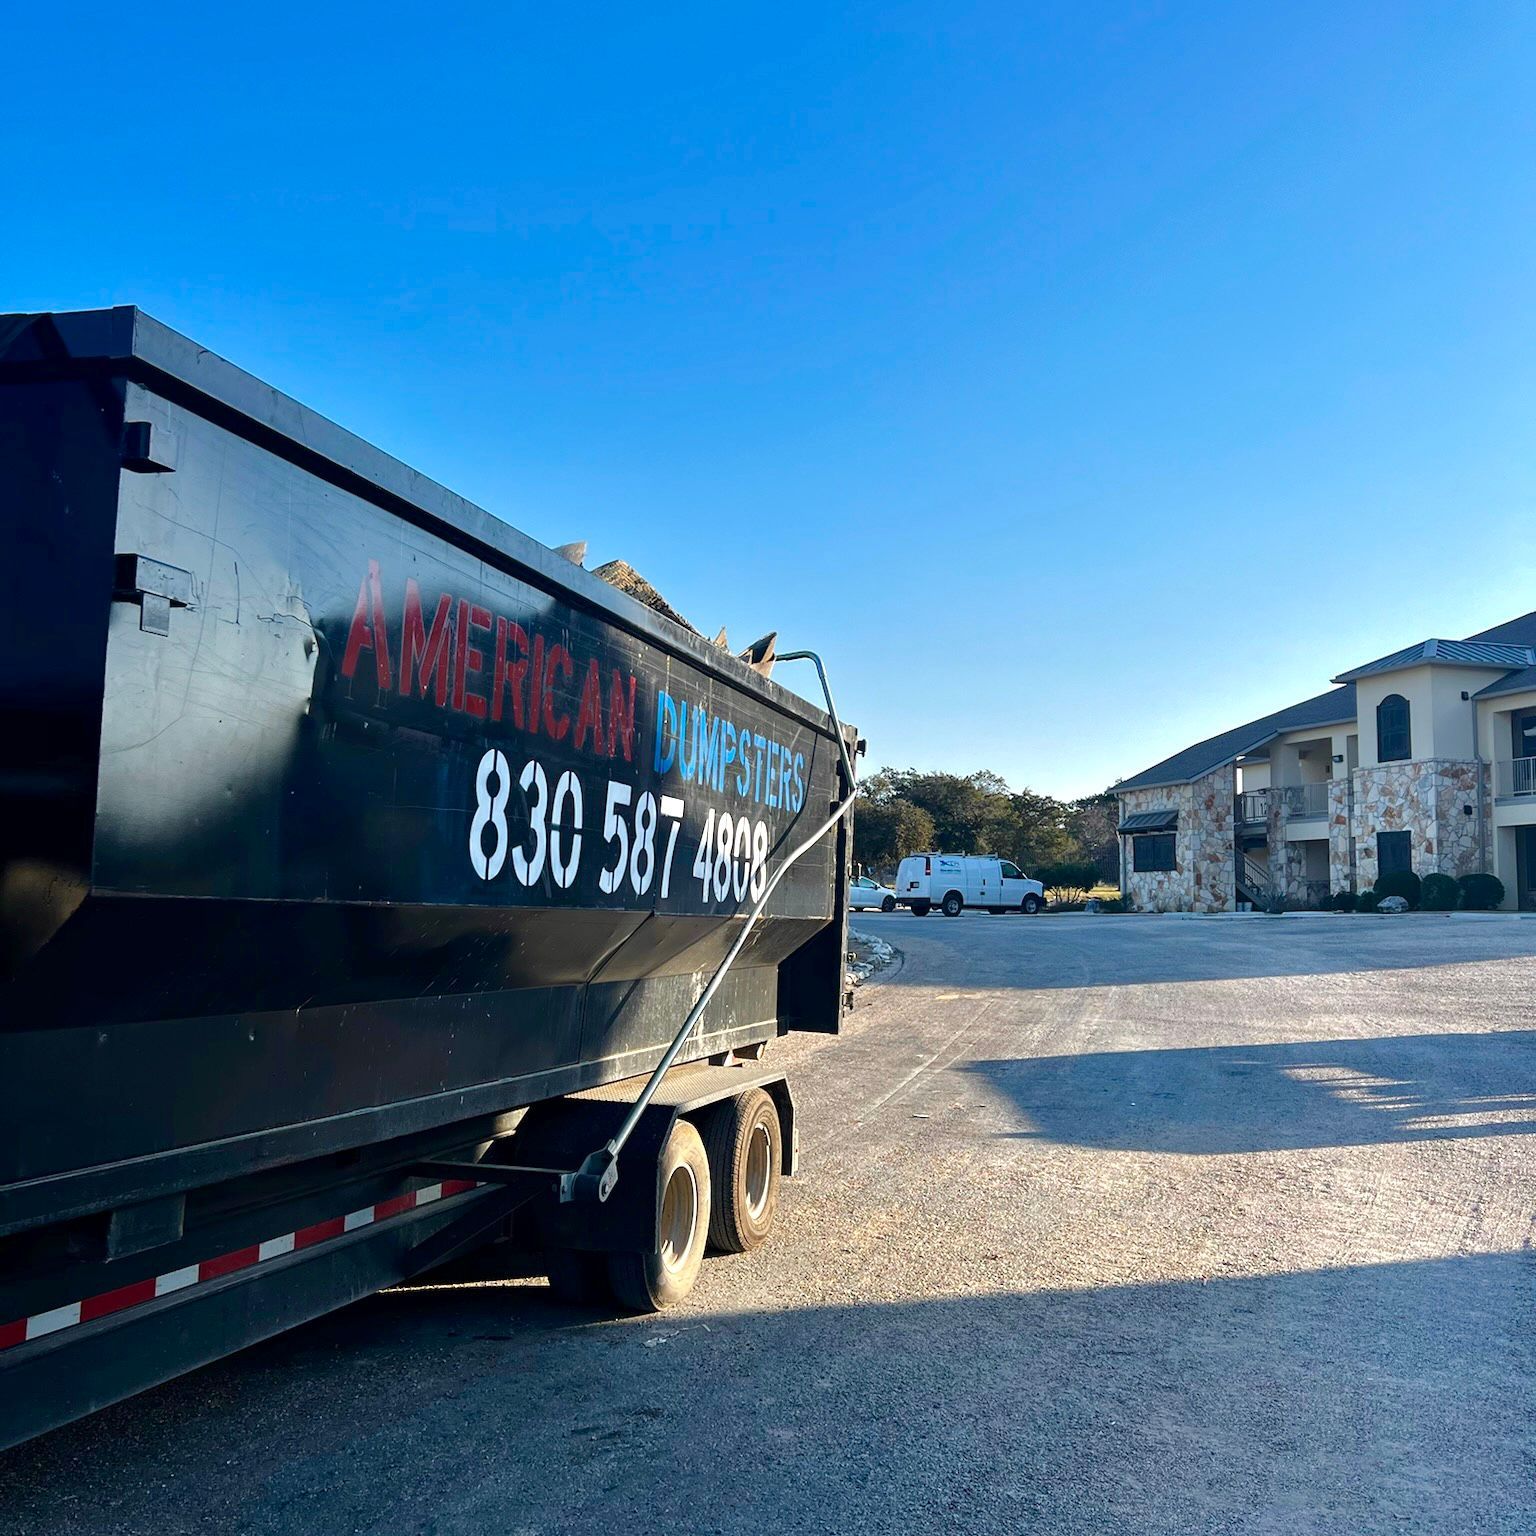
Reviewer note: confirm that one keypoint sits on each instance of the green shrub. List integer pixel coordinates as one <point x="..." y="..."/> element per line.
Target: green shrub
<point x="1118" y="904"/>
<point x="1344" y="901"/>
<point x="1481" y="893"/>
<point x="1401" y="882"/>
<point x="1067" y="883"/>
<point x="1440" y="893"/>
<point x="1368" y="901"/>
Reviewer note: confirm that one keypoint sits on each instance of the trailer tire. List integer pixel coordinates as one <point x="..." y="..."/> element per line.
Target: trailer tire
<point x="578" y="1279"/>
<point x="953" y="904"/>
<point x="661" y="1277"/>
<point x="1030" y="905"/>
<point x="889" y="904"/>
<point x="921" y="908"/>
<point x="745" y="1145"/>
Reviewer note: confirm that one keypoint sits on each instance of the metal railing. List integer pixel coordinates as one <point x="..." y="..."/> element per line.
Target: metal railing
<point x="1254" y="878"/>
<point x="1253" y="805"/>
<point x="1306" y="799"/>
<point x="1515" y="776"/>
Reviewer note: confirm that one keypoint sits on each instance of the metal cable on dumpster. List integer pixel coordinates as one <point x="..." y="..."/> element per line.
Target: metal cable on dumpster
<point x="595" y="1179"/>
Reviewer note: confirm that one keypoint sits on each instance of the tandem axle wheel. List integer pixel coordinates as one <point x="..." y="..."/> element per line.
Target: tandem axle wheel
<point x="717" y="1177"/>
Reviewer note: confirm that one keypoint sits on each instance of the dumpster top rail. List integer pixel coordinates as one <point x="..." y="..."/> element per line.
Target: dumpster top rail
<point x="126" y="342"/>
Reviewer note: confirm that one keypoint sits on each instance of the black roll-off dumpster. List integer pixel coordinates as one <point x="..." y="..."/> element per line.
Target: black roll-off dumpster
<point x="361" y="863"/>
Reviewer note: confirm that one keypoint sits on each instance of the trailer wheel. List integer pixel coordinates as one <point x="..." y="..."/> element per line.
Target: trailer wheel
<point x="745" y="1144"/>
<point x="661" y="1277"/>
<point x="889" y="904"/>
<point x="578" y="1279"/>
<point x="921" y="908"/>
<point x="953" y="904"/>
<point x="1031" y="904"/>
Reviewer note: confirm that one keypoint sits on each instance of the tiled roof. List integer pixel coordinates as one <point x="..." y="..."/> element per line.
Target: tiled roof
<point x="1511" y="644"/>
<point x="1511" y="682"/>
<point x="1463" y="653"/>
<point x="1521" y="631"/>
<point x="1330" y="708"/>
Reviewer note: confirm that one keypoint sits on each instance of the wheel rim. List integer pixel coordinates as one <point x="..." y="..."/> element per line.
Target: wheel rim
<point x="679" y="1217"/>
<point x="759" y="1173"/>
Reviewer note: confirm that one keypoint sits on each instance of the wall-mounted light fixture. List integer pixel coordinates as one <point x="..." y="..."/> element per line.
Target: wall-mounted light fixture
<point x="1465" y="695"/>
<point x="1338" y="757"/>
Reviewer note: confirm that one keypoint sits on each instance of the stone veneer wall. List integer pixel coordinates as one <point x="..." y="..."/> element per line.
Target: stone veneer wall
<point x="1287" y="858"/>
<point x="1424" y="798"/>
<point x="1341" y="864"/>
<point x="1288" y="867"/>
<point x="1204" y="879"/>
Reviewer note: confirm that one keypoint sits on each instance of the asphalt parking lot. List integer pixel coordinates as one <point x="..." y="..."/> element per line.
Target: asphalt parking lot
<point x="1106" y="1225"/>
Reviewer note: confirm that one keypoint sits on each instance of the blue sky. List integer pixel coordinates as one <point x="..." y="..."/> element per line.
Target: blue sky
<point x="1081" y="379"/>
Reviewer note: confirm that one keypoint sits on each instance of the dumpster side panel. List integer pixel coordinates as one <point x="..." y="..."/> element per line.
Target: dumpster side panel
<point x="322" y="724"/>
<point x="387" y="833"/>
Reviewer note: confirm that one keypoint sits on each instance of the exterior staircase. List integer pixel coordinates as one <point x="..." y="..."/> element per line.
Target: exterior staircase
<point x="1253" y="882"/>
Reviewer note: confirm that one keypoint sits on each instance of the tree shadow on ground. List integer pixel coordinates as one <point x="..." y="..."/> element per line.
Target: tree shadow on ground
<point x="1392" y="1397"/>
<point x="1255" y="1098"/>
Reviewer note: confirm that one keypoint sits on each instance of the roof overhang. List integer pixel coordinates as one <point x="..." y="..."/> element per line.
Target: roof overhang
<point x="1150" y="821"/>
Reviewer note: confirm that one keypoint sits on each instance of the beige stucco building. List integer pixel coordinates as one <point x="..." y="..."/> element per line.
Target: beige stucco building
<point x="1423" y="760"/>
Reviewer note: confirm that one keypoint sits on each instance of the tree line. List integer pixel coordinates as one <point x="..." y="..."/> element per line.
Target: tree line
<point x="902" y="811"/>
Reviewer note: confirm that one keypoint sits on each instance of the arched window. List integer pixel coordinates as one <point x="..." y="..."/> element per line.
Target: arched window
<point x="1394" y="736"/>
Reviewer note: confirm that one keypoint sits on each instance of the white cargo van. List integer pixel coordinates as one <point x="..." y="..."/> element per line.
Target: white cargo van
<point x="954" y="881"/>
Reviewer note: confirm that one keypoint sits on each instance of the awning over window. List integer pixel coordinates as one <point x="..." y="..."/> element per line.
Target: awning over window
<point x="1150" y="821"/>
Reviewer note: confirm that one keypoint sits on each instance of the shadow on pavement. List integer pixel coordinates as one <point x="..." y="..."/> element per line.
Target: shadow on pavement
<point x="1394" y="1397"/>
<point x="1251" y="1098"/>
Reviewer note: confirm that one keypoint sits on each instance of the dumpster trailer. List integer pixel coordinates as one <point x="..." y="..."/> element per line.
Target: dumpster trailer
<point x="376" y="885"/>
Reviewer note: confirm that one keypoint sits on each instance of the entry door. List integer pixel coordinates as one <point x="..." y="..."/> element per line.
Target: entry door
<point x="1394" y="852"/>
<point x="1525" y="868"/>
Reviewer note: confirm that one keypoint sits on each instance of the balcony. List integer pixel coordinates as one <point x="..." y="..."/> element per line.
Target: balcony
<point x="1302" y="800"/>
<point x="1253" y="807"/>
<point x="1514" y="776"/>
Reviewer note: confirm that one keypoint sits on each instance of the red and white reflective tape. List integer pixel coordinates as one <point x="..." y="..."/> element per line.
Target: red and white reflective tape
<point x="125" y="1296"/>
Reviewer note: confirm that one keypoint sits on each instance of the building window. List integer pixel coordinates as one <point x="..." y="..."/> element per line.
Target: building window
<point x="1394" y="737"/>
<point x="1394" y="853"/>
<point x="1153" y="853"/>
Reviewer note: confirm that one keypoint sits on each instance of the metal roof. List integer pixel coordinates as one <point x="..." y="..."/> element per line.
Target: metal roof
<point x="1150" y="821"/>
<point x="1331" y="708"/>
<point x="1459" y="653"/>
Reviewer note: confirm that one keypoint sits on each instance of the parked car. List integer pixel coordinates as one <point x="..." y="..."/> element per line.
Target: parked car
<point x="952" y="882"/>
<point x="865" y="893"/>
